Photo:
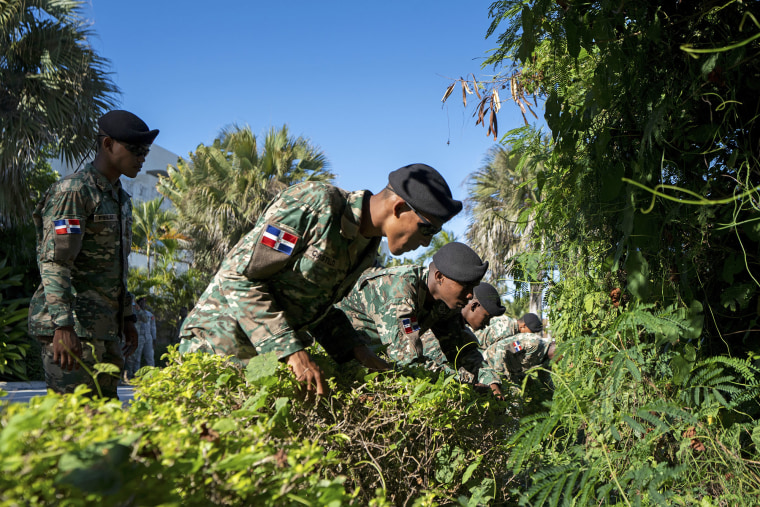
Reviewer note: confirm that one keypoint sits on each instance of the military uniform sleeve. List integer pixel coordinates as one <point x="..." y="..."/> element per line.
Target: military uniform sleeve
<point x="398" y="328"/>
<point x="62" y="221"/>
<point x="249" y="274"/>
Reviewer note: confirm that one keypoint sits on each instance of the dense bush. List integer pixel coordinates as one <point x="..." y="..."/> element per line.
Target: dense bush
<point x="203" y="431"/>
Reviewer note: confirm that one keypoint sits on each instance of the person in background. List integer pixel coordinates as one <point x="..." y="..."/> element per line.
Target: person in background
<point x="511" y="353"/>
<point x="305" y="252"/>
<point x="82" y="310"/>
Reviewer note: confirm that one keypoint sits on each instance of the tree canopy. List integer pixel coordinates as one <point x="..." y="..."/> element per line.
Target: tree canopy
<point x="53" y="87"/>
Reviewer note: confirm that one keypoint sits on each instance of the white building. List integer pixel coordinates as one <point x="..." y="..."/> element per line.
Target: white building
<point x="142" y="188"/>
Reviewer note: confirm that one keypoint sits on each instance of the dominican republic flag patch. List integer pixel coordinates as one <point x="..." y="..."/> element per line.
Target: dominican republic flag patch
<point x="279" y="240"/>
<point x="410" y="325"/>
<point x="517" y="346"/>
<point x="67" y="226"/>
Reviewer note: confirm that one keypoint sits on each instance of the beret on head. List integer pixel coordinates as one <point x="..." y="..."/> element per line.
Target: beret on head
<point x="533" y="322"/>
<point x="425" y="189"/>
<point x="489" y="298"/>
<point x="460" y="263"/>
<point x="126" y="127"/>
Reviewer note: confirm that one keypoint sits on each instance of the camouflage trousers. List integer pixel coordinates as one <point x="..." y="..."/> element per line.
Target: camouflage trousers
<point x="94" y="351"/>
<point x="142" y="356"/>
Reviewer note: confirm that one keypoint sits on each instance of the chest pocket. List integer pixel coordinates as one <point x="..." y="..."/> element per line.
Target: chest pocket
<point x="320" y="267"/>
<point x="103" y="225"/>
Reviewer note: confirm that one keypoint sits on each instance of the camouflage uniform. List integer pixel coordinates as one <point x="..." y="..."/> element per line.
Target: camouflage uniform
<point x="388" y="306"/>
<point x="84" y="235"/>
<point x="499" y="328"/>
<point x="516" y="354"/>
<point x="304" y="253"/>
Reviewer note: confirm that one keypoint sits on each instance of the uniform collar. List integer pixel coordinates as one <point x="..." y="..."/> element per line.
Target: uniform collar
<point x="103" y="182"/>
<point x="352" y="214"/>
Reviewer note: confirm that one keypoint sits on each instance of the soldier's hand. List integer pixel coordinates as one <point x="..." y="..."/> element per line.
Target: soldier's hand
<point x="364" y="355"/>
<point x="130" y="338"/>
<point x="308" y="372"/>
<point x="496" y="390"/>
<point x="67" y="348"/>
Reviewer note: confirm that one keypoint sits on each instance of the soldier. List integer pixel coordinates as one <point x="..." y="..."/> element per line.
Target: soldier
<point x="146" y="332"/>
<point x="396" y="306"/>
<point x="84" y="235"/>
<point x="514" y="353"/>
<point x="304" y="253"/>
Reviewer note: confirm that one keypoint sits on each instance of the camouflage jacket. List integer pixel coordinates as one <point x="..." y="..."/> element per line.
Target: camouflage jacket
<point x="500" y="327"/>
<point x="304" y="254"/>
<point x="516" y="354"/>
<point x="84" y="236"/>
<point x="390" y="306"/>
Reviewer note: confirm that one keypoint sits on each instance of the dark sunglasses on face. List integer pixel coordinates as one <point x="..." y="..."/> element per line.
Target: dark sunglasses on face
<point x="138" y="150"/>
<point x="425" y="227"/>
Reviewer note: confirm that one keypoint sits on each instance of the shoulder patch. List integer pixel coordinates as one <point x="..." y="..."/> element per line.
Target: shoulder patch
<point x="516" y="346"/>
<point x="279" y="240"/>
<point x="410" y="325"/>
<point x="67" y="226"/>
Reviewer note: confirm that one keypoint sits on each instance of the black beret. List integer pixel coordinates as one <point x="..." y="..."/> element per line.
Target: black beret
<point x="126" y="127"/>
<point x="460" y="263"/>
<point x="488" y="297"/>
<point x="533" y="322"/>
<point x="425" y="189"/>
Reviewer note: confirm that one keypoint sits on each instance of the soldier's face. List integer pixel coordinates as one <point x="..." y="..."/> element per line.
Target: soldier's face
<point x="476" y="316"/>
<point x="128" y="158"/>
<point x="410" y="230"/>
<point x="453" y="293"/>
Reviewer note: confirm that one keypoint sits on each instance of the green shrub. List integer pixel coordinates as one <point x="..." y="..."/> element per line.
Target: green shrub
<point x="14" y="344"/>
<point x="203" y="431"/>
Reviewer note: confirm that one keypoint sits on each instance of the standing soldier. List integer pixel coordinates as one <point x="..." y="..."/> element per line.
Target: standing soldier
<point x="397" y="306"/>
<point x="304" y="253"/>
<point x="84" y="235"/>
<point x="146" y="331"/>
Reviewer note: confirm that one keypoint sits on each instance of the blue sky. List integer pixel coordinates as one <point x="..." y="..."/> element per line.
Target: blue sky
<point x="361" y="80"/>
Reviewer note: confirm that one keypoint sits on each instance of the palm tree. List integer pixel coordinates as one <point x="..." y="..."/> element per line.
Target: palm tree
<point x="53" y="87"/>
<point x="220" y="192"/>
<point x="502" y="195"/>
<point x="152" y="229"/>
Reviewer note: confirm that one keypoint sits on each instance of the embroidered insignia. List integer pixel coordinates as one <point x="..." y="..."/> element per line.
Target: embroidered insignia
<point x="410" y="325"/>
<point x="517" y="346"/>
<point x="67" y="226"/>
<point x="279" y="240"/>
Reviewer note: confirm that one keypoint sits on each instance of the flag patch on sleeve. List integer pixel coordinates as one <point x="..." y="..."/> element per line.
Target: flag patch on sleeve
<point x="410" y="325"/>
<point x="279" y="240"/>
<point x="67" y="226"/>
<point x="517" y="346"/>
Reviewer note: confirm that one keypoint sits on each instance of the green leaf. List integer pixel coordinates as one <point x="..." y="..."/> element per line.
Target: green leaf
<point x="261" y="369"/>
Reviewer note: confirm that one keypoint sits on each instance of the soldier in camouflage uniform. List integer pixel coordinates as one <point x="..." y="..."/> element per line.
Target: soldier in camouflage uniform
<point x="146" y="332"/>
<point x="304" y="253"/>
<point x="476" y="315"/>
<point x="84" y="236"/>
<point x="396" y="306"/>
<point x="518" y="348"/>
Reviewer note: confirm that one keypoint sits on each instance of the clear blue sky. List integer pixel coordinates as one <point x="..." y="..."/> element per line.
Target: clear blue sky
<point x="362" y="80"/>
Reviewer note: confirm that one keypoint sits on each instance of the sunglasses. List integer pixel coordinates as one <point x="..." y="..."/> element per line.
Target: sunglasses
<point x="138" y="150"/>
<point x="425" y="227"/>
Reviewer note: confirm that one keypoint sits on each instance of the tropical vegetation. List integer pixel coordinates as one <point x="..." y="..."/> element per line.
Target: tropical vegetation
<point x="646" y="212"/>
<point x="54" y="87"/>
<point x="223" y="188"/>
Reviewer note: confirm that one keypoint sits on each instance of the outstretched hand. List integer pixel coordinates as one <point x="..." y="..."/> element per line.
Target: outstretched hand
<point x="368" y="358"/>
<point x="306" y="371"/>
